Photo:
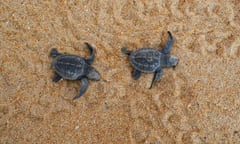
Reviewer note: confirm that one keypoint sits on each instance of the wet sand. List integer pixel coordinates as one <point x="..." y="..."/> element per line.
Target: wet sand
<point x="198" y="102"/>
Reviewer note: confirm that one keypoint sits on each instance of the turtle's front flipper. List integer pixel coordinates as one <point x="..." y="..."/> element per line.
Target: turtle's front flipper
<point x="83" y="88"/>
<point x="136" y="74"/>
<point x="125" y="51"/>
<point x="157" y="75"/>
<point x="168" y="45"/>
<point x="92" y="52"/>
<point x="56" y="78"/>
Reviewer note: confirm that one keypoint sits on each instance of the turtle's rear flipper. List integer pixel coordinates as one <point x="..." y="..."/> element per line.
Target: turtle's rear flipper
<point x="136" y="74"/>
<point x="83" y="88"/>
<point x="125" y="51"/>
<point x="54" y="52"/>
<point x="56" y="78"/>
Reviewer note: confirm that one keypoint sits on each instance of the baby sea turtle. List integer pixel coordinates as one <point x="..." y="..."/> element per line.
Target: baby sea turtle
<point x="150" y="60"/>
<point x="73" y="67"/>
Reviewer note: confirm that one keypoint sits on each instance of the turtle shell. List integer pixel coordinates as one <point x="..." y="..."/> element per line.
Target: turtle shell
<point x="145" y="59"/>
<point x="69" y="66"/>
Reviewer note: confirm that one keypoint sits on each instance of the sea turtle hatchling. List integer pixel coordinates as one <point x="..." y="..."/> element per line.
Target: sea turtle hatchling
<point x="150" y="60"/>
<point x="73" y="67"/>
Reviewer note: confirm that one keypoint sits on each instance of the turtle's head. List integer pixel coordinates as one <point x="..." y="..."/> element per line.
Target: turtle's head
<point x="173" y="61"/>
<point x="93" y="74"/>
<point x="169" y="61"/>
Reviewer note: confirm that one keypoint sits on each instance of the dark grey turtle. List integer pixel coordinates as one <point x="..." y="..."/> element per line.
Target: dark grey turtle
<point x="73" y="67"/>
<point x="150" y="60"/>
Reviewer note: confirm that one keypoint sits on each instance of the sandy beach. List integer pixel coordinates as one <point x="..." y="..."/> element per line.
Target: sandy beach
<point x="197" y="102"/>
